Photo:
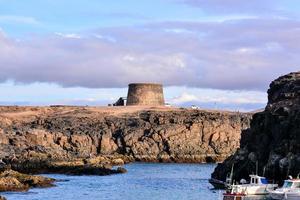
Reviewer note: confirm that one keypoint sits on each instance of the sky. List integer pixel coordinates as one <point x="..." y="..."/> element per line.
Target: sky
<point x="217" y="54"/>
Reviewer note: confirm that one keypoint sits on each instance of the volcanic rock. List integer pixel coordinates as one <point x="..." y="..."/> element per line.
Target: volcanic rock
<point x="14" y="181"/>
<point x="273" y="140"/>
<point x="39" y="135"/>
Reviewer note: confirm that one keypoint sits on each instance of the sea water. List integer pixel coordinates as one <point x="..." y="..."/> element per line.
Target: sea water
<point x="145" y="181"/>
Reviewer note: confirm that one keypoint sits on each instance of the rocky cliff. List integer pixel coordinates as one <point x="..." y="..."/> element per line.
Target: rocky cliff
<point x="273" y="141"/>
<point x="158" y="135"/>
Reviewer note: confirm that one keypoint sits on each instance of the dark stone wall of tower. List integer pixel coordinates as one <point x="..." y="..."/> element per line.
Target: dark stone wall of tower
<point x="145" y="94"/>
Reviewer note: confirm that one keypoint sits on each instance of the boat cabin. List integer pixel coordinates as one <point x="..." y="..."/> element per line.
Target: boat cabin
<point x="258" y="185"/>
<point x="293" y="183"/>
<point x="258" y="180"/>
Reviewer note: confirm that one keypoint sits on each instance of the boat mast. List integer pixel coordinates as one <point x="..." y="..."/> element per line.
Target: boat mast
<point x="264" y="172"/>
<point x="231" y="173"/>
<point x="257" y="168"/>
<point x="289" y="168"/>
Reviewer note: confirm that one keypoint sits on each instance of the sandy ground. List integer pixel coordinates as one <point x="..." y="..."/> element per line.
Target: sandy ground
<point x="26" y="113"/>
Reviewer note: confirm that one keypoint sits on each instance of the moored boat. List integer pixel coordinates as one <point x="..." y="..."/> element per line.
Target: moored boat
<point x="290" y="190"/>
<point x="229" y="196"/>
<point x="258" y="186"/>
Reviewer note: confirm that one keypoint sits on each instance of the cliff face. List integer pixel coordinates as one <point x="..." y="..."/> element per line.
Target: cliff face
<point x="273" y="139"/>
<point x="172" y="135"/>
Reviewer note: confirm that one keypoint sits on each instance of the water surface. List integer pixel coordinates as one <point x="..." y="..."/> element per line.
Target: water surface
<point x="143" y="181"/>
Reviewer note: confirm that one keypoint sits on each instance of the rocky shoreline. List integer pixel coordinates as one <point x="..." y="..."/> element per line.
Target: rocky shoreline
<point x="273" y="139"/>
<point x="85" y="141"/>
<point x="97" y="141"/>
<point x="149" y="135"/>
<point x="100" y="165"/>
<point x="11" y="180"/>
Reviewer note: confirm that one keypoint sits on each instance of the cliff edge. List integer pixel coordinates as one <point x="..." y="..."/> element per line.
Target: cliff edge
<point x="143" y="134"/>
<point x="273" y="139"/>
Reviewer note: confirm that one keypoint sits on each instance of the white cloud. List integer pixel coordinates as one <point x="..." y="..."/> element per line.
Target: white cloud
<point x="129" y="58"/>
<point x="49" y="94"/>
<point x="105" y="37"/>
<point x="184" y="98"/>
<point x="221" y="96"/>
<point x="69" y="35"/>
<point x="18" y="19"/>
<point x="236" y="55"/>
<point x="2" y="33"/>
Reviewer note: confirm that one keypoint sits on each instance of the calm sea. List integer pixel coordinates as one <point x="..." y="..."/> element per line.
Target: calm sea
<point x="143" y="181"/>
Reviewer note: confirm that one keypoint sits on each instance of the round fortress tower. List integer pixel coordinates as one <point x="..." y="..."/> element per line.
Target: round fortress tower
<point x="145" y="94"/>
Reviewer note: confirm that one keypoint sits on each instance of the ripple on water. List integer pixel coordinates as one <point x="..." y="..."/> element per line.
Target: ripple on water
<point x="143" y="181"/>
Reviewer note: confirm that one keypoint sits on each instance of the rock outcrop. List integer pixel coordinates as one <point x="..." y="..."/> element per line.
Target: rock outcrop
<point x="99" y="165"/>
<point x="158" y="135"/>
<point x="273" y="141"/>
<point x="11" y="180"/>
<point x="14" y="181"/>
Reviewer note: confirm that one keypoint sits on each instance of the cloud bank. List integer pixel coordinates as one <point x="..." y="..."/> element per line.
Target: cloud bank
<point x="243" y="54"/>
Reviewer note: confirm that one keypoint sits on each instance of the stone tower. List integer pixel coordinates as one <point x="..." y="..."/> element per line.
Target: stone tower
<point x="145" y="94"/>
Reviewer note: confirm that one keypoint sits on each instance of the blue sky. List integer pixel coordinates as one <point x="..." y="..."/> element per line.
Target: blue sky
<point x="213" y="53"/>
<point x="65" y="16"/>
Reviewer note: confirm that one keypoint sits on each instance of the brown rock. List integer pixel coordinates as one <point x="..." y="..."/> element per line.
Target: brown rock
<point x="2" y="198"/>
<point x="48" y="134"/>
<point x="3" y="138"/>
<point x="117" y="161"/>
<point x="121" y="170"/>
<point x="11" y="184"/>
<point x="14" y="181"/>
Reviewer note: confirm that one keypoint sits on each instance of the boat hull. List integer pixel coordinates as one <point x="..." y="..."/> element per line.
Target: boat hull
<point x="233" y="197"/>
<point x="277" y="196"/>
<point x="244" y="197"/>
<point x="285" y="195"/>
<point x="253" y="190"/>
<point x="293" y="196"/>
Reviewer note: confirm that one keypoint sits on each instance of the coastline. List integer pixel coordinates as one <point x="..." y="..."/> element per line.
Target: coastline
<point x="97" y="140"/>
<point x="147" y="180"/>
<point x="144" y="134"/>
<point x="271" y="145"/>
<point x="11" y="180"/>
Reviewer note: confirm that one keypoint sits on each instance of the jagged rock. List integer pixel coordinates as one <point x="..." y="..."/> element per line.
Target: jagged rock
<point x="117" y="161"/>
<point x="14" y="181"/>
<point x="273" y="137"/>
<point x="2" y="198"/>
<point x="92" y="166"/>
<point x="39" y="134"/>
<point x="121" y="170"/>
<point x="11" y="184"/>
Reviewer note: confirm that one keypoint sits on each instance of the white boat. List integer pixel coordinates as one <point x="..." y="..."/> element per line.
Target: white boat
<point x="258" y="186"/>
<point x="290" y="190"/>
